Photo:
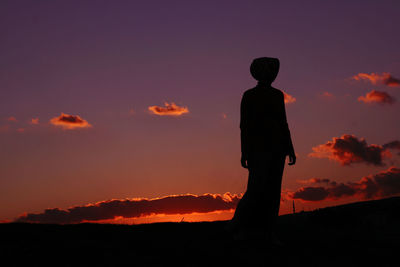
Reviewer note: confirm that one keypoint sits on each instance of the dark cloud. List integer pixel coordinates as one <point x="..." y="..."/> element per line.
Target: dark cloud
<point x="391" y="81"/>
<point x="130" y="208"/>
<point x="317" y="181"/>
<point x="383" y="184"/>
<point x="376" y="78"/>
<point x="392" y="145"/>
<point x="377" y="97"/>
<point x="310" y="193"/>
<point x="348" y="149"/>
<point x="169" y="110"/>
<point x="69" y="122"/>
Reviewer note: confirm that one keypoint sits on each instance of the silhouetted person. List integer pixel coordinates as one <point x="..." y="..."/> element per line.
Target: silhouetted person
<point x="265" y="143"/>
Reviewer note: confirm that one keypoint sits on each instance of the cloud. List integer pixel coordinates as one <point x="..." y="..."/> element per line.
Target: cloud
<point x="392" y="145"/>
<point x="309" y="193"/>
<point x="327" y="95"/>
<point x="169" y="110"/>
<point x="377" y="97"/>
<point x="130" y="208"/>
<point x="69" y="122"/>
<point x="383" y="184"/>
<point x="12" y="118"/>
<point x="375" y="78"/>
<point x="34" y="121"/>
<point x="348" y="149"/>
<point x="391" y="81"/>
<point x="319" y="180"/>
<point x="315" y="181"/>
<point x="288" y="98"/>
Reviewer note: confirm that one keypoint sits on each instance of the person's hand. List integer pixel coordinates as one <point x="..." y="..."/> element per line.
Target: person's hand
<point x="292" y="158"/>
<point x="243" y="161"/>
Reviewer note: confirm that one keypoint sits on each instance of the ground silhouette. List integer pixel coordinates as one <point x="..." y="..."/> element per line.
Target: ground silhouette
<point x="358" y="234"/>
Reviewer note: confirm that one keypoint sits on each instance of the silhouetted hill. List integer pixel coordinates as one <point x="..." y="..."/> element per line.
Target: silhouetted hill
<point x="357" y="234"/>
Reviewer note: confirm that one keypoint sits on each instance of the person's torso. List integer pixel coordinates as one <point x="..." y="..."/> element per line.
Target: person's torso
<point x="265" y="118"/>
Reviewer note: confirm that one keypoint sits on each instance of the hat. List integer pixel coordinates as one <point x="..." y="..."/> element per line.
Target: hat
<point x="265" y="69"/>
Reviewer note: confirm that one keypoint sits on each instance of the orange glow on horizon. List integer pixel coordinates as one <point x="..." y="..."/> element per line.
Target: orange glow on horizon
<point x="156" y="218"/>
<point x="191" y="217"/>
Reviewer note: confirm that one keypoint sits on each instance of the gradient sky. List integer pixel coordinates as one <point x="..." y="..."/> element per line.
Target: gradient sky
<point x="109" y="61"/>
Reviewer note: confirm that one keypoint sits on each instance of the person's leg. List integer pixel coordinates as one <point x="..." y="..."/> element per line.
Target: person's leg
<point x="247" y="210"/>
<point x="274" y="194"/>
<point x="276" y="175"/>
<point x="240" y="218"/>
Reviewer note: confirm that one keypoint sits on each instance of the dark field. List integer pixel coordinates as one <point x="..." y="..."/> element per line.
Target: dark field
<point x="358" y="234"/>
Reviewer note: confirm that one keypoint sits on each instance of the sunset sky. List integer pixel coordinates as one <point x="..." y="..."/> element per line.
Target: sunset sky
<point x="128" y="111"/>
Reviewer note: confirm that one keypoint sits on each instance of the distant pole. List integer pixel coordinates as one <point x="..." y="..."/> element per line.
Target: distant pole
<point x="294" y="209"/>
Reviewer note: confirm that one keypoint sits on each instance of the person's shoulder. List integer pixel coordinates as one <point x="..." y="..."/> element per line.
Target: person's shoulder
<point x="278" y="92"/>
<point x="249" y="92"/>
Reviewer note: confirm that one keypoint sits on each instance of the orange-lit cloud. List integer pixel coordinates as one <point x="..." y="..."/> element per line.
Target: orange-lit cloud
<point x="383" y="184"/>
<point x="288" y="98"/>
<point x="376" y="78"/>
<point x="377" y="97"/>
<point x="69" y="122"/>
<point x="12" y="118"/>
<point x="348" y="149"/>
<point x="134" y="208"/>
<point x="21" y="130"/>
<point x="169" y="110"/>
<point x="34" y="121"/>
<point x="327" y="94"/>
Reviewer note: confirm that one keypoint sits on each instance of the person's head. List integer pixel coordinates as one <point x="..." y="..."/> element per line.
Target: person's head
<point x="265" y="69"/>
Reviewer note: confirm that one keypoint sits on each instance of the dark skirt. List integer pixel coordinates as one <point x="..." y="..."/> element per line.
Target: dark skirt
<point x="259" y="206"/>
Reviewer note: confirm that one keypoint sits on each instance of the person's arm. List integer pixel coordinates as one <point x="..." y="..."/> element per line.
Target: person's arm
<point x="289" y="144"/>
<point x="244" y="131"/>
